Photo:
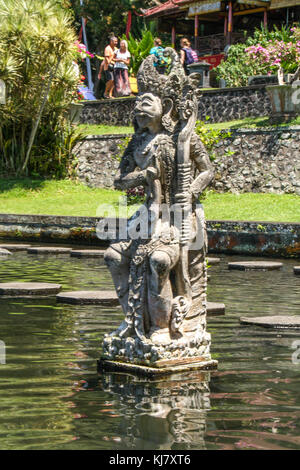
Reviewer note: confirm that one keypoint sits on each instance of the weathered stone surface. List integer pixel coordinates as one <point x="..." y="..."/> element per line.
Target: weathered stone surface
<point x="228" y="104"/>
<point x="115" y="366"/>
<point x="116" y="112"/>
<point x="30" y="289"/>
<point x="254" y="238"/>
<point x="54" y="250"/>
<point x="14" y="247"/>
<point x="160" y="280"/>
<point x="87" y="253"/>
<point x="265" y="161"/>
<point x="297" y="270"/>
<point x="227" y="237"/>
<point x="213" y="261"/>
<point x="214" y="308"/>
<point x="273" y="322"/>
<point x="259" y="265"/>
<point x="4" y="252"/>
<point x="150" y="371"/>
<point x="219" y="104"/>
<point x="109" y="298"/>
<point x="98" y="160"/>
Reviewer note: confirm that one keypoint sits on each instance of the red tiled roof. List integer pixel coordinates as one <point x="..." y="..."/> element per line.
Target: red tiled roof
<point x="166" y="7"/>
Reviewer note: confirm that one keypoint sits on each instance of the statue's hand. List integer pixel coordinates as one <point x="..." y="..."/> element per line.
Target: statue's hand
<point x="152" y="173"/>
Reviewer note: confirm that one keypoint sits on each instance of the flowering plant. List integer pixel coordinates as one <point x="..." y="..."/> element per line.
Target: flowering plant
<point x="135" y="195"/>
<point x="266" y="52"/>
<point x="82" y="51"/>
<point x="278" y="54"/>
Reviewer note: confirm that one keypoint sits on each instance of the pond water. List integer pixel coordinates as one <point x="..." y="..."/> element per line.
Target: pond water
<point x="51" y="396"/>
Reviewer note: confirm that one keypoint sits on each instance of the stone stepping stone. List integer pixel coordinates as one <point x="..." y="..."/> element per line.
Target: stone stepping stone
<point x="108" y="298"/>
<point x="54" y="250"/>
<point x="4" y="252"/>
<point x="15" y="247"/>
<point x="297" y="270"/>
<point x="28" y="289"/>
<point x="87" y="253"/>
<point x="258" y="265"/>
<point x="214" y="309"/>
<point x="213" y="261"/>
<point x="273" y="322"/>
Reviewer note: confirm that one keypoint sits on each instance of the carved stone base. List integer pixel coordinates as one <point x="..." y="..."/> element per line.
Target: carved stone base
<point x="170" y="367"/>
<point x="134" y="350"/>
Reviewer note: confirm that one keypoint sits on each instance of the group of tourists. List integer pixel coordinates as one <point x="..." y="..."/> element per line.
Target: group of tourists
<point x="115" y="68"/>
<point x="187" y="55"/>
<point x="117" y="60"/>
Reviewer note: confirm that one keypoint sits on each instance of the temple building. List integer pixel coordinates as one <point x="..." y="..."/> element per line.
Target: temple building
<point x="211" y="25"/>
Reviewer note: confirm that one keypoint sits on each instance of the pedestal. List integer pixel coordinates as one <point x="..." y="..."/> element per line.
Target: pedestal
<point x="158" y="370"/>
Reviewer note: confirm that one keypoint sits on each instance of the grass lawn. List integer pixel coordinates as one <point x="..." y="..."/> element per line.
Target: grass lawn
<point x="249" y="123"/>
<point x="253" y="206"/>
<point x="252" y="123"/>
<point x="67" y="197"/>
<point x="95" y="129"/>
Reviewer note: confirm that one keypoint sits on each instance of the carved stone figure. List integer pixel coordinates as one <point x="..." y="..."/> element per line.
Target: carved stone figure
<point x="160" y="274"/>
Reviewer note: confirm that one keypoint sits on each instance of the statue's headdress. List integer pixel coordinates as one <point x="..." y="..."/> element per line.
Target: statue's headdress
<point x="175" y="85"/>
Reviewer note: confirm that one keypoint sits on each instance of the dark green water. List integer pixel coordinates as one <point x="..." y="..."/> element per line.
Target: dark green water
<point x="51" y="396"/>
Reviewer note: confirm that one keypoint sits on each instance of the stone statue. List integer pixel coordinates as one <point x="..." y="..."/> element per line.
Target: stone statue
<point x="160" y="275"/>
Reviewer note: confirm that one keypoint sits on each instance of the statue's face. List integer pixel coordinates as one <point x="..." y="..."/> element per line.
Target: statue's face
<point x="148" y="111"/>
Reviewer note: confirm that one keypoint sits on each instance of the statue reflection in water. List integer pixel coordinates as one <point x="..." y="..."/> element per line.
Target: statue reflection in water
<point x="161" y="414"/>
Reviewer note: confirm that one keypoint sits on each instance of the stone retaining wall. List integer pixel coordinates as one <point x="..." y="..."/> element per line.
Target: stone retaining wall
<point x="260" y="161"/>
<point x="229" y="104"/>
<point x="98" y="159"/>
<point x="115" y="112"/>
<point x="228" y="237"/>
<point x="220" y="105"/>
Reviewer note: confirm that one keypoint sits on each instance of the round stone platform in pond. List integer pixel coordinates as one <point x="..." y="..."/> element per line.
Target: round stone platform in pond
<point x="248" y="265"/>
<point x="108" y="298"/>
<point x="273" y="322"/>
<point x="28" y="289"/>
<point x="215" y="309"/>
<point x="54" y="250"/>
<point x="4" y="252"/>
<point x="87" y="253"/>
<point x="15" y="247"/>
<point x="297" y="270"/>
<point x="213" y="261"/>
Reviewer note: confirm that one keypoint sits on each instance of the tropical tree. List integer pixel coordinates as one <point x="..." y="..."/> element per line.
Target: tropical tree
<point x="36" y="53"/>
<point x="139" y="49"/>
<point x="105" y="18"/>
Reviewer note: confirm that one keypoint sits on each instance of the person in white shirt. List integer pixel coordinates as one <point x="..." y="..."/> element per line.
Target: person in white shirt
<point x="122" y="61"/>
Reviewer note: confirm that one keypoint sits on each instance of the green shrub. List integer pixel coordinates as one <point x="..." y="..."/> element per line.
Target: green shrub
<point x="210" y="137"/>
<point x="239" y="66"/>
